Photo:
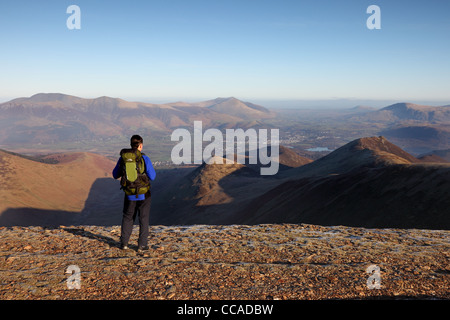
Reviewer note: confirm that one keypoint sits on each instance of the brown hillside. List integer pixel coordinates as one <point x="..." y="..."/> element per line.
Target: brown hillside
<point x="363" y="152"/>
<point x="394" y="196"/>
<point x="290" y="158"/>
<point x="432" y="158"/>
<point x="206" y="179"/>
<point x="235" y="107"/>
<point x="409" y="112"/>
<point x="64" y="186"/>
<point x="368" y="182"/>
<point x="383" y="151"/>
<point x="212" y="192"/>
<point x="419" y="139"/>
<point x="444" y="154"/>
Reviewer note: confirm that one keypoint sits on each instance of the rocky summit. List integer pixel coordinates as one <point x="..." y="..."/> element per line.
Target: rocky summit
<point x="265" y="261"/>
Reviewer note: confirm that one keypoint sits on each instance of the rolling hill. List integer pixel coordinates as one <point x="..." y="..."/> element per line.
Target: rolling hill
<point x="415" y="128"/>
<point x="61" y="189"/>
<point x="49" y="118"/>
<point x="418" y="139"/>
<point x="211" y="193"/>
<point x="364" y="152"/>
<point x="54" y="122"/>
<point x="441" y="154"/>
<point x="409" y="112"/>
<point x="235" y="107"/>
<point x="368" y="182"/>
<point x="395" y="196"/>
<point x="433" y="158"/>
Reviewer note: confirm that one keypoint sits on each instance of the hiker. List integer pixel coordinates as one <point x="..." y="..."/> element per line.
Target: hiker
<point x="135" y="170"/>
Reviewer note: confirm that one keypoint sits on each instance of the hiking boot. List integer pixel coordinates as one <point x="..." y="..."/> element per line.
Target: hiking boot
<point x="142" y="249"/>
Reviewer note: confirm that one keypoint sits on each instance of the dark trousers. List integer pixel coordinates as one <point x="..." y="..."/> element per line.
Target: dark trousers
<point x="131" y="209"/>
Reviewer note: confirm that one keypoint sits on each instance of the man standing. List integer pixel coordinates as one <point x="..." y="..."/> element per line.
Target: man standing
<point x="135" y="170"/>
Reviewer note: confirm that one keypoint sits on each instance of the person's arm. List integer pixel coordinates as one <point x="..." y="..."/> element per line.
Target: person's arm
<point x="117" y="173"/>
<point x="151" y="173"/>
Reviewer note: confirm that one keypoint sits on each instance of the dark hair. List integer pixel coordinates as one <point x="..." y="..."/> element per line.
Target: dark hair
<point x="135" y="141"/>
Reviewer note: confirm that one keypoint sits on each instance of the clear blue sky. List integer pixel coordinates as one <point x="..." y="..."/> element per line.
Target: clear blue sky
<point x="250" y="49"/>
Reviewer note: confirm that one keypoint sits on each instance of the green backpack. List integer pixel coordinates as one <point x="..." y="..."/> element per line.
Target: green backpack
<point x="134" y="181"/>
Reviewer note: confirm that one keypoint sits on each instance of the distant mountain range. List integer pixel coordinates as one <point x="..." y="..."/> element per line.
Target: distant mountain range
<point x="420" y="138"/>
<point x="442" y="155"/>
<point x="409" y="112"/>
<point x="369" y="182"/>
<point x="411" y="126"/>
<point x="54" y="118"/>
<point x="48" y="117"/>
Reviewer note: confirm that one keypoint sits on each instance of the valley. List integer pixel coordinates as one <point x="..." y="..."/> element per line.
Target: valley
<point x="51" y="122"/>
<point x="59" y="151"/>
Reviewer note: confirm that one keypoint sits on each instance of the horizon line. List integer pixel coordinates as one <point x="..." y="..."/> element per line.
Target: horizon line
<point x="289" y="101"/>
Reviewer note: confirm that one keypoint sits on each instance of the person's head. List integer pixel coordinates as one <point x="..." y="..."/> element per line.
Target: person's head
<point x="136" y="142"/>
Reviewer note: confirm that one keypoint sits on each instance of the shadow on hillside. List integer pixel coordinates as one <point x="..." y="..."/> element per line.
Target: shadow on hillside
<point x="177" y="202"/>
<point x="103" y="207"/>
<point x="388" y="197"/>
<point x="26" y="217"/>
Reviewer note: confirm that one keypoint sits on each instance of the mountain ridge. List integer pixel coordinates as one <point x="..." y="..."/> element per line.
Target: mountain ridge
<point x="405" y="111"/>
<point x="396" y="196"/>
<point x="369" y="182"/>
<point x="48" y="117"/>
<point x="368" y="152"/>
<point x="61" y="187"/>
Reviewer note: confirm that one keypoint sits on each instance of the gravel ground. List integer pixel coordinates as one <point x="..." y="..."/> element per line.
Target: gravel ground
<point x="270" y="262"/>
